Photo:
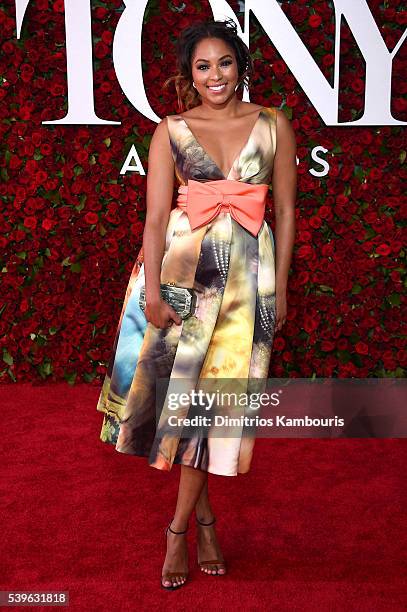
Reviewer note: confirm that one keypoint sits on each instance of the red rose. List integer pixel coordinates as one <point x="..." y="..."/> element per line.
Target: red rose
<point x="292" y="100"/>
<point x="306" y="124"/>
<point x="111" y="246"/>
<point x="376" y="174"/>
<point x="107" y="37"/>
<point x="305" y="251"/>
<point x="325" y="212"/>
<point x="383" y="249"/>
<point x="269" y="53"/>
<point x="328" y="60"/>
<point x="30" y="222"/>
<point x="279" y="343"/>
<point x="101" y="50"/>
<point x="362" y="348"/>
<point x="105" y="87"/>
<point x="303" y="277"/>
<point x="357" y="85"/>
<point x="24" y="305"/>
<point x="279" y="67"/>
<point x="15" y="162"/>
<point x="315" y="21"/>
<point x="137" y="228"/>
<point x="91" y="218"/>
<point x="58" y="6"/>
<point x="101" y="12"/>
<point x="115" y="190"/>
<point x="81" y="156"/>
<point x="57" y="89"/>
<point x="311" y="323"/>
<point x="47" y="224"/>
<point x="45" y="149"/>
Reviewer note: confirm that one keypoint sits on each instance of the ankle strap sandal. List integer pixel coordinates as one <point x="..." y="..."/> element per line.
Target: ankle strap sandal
<point x="205" y="564"/>
<point x="170" y="575"/>
<point x="172" y="531"/>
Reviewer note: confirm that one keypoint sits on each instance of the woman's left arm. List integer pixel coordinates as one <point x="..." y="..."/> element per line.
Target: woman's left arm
<point x="284" y="185"/>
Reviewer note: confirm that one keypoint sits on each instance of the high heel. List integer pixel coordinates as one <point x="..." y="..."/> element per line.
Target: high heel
<point x="170" y="575"/>
<point x="204" y="564"/>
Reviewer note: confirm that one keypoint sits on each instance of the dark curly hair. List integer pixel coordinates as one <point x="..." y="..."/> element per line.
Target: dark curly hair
<point x="190" y="36"/>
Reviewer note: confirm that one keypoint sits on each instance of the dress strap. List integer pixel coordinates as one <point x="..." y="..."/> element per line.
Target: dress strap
<point x="173" y="122"/>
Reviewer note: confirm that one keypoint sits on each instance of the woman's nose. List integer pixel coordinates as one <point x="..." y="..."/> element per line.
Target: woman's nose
<point x="215" y="74"/>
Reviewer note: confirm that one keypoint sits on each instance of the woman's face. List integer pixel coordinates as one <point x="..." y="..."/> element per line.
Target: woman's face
<point x="213" y="64"/>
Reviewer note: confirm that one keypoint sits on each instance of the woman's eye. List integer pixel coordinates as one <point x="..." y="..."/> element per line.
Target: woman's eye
<point x="224" y="63"/>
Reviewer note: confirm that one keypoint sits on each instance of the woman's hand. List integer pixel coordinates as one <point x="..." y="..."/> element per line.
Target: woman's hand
<point x="281" y="309"/>
<point x="161" y="314"/>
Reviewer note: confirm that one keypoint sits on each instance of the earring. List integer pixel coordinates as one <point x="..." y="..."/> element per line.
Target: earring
<point x="193" y="84"/>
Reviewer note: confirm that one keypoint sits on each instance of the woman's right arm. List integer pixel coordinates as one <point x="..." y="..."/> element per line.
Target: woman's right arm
<point x="160" y="187"/>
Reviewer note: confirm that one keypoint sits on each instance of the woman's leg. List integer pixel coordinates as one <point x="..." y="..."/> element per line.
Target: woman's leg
<point x="203" y="508"/>
<point x="176" y="560"/>
<point x="208" y="545"/>
<point x="191" y="483"/>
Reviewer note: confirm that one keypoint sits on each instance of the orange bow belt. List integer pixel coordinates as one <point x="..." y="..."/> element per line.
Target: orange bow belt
<point x="204" y="201"/>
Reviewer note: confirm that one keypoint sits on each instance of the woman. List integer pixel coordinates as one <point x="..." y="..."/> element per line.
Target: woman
<point x="224" y="153"/>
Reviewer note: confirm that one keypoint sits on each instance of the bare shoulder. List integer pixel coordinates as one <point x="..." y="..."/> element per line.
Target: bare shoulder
<point x="160" y="145"/>
<point x="285" y="132"/>
<point x="160" y="138"/>
<point x="283" y="122"/>
<point x="161" y="129"/>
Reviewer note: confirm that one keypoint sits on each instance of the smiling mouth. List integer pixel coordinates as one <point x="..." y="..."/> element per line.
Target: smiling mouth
<point x="217" y="87"/>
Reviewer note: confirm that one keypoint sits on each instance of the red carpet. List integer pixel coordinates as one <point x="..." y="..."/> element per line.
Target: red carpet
<point x="316" y="524"/>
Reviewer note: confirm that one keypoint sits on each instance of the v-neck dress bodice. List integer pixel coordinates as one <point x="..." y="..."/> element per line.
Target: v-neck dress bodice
<point x="253" y="164"/>
<point x="226" y="341"/>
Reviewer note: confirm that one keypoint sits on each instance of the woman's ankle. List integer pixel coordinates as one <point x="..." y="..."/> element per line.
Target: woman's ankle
<point x="205" y="516"/>
<point x="179" y="524"/>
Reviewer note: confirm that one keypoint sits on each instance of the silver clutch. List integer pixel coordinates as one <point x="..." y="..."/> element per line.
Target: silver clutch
<point x="182" y="299"/>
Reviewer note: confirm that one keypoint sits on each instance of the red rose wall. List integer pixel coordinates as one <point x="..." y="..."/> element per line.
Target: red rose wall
<point x="72" y="225"/>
